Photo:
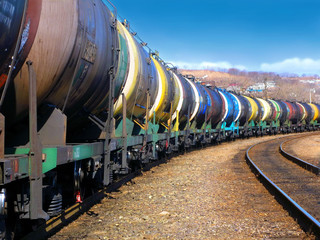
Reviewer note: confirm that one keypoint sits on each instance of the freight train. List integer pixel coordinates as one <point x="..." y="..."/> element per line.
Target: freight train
<point x="84" y="102"/>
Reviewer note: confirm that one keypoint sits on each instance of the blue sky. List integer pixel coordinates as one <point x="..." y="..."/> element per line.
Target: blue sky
<point x="262" y="35"/>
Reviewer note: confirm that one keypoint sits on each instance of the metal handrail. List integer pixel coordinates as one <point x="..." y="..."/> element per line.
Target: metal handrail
<point x="139" y="39"/>
<point x="113" y="6"/>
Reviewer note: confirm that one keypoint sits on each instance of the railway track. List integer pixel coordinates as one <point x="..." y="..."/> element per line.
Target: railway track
<point x="53" y="225"/>
<point x="292" y="181"/>
<point x="302" y="163"/>
<point x="299" y="148"/>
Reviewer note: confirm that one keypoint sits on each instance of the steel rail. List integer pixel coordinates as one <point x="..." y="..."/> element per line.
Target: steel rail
<point x="305" y="219"/>
<point x="308" y="166"/>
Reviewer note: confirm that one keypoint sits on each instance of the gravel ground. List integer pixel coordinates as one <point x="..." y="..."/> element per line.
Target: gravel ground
<point x="307" y="148"/>
<point x="205" y="194"/>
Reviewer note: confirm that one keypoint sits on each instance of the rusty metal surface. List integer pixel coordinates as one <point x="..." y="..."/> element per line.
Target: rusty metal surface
<point x="69" y="32"/>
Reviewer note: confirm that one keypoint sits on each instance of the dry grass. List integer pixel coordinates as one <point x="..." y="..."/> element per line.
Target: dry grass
<point x="219" y="79"/>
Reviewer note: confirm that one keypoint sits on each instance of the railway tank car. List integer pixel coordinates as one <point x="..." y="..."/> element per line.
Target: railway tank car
<point x="217" y="103"/>
<point x="71" y="58"/>
<point x="229" y="114"/>
<point x="101" y="105"/>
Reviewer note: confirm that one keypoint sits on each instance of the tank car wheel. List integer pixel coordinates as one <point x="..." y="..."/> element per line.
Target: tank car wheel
<point x="8" y="227"/>
<point x="81" y="184"/>
<point x="5" y="231"/>
<point x="10" y="224"/>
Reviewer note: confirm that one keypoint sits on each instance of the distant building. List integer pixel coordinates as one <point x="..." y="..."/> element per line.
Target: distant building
<point x="311" y="81"/>
<point x="260" y="86"/>
<point x="234" y="87"/>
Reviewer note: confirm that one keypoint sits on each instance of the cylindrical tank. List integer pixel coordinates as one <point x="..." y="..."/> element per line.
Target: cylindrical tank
<point x="11" y="20"/>
<point x="217" y="107"/>
<point x="229" y="108"/>
<point x="284" y="111"/>
<point x="181" y="96"/>
<point x="204" y="105"/>
<point x="245" y="110"/>
<point x="186" y="102"/>
<point x="236" y="106"/>
<point x="267" y="110"/>
<point x="316" y="110"/>
<point x="136" y="75"/>
<point x="242" y="109"/>
<point x="318" y="107"/>
<point x="168" y="94"/>
<point x="260" y="110"/>
<point x="196" y="100"/>
<point x="277" y="110"/>
<point x="292" y="113"/>
<point x="254" y="109"/>
<point x="302" y="112"/>
<point x="210" y="106"/>
<point x="297" y="113"/>
<point x="309" y="112"/>
<point x="71" y="57"/>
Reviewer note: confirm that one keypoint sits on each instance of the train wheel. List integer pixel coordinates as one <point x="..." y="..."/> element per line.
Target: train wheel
<point x="10" y="224"/>
<point x="3" y="215"/>
<point x="79" y="182"/>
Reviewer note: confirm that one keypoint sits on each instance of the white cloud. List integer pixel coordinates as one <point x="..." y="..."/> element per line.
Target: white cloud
<point x="290" y="65"/>
<point x="293" y="65"/>
<point x="207" y="65"/>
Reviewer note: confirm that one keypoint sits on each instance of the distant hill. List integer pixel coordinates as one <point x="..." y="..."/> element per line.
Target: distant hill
<point x="261" y="84"/>
<point x="219" y="79"/>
